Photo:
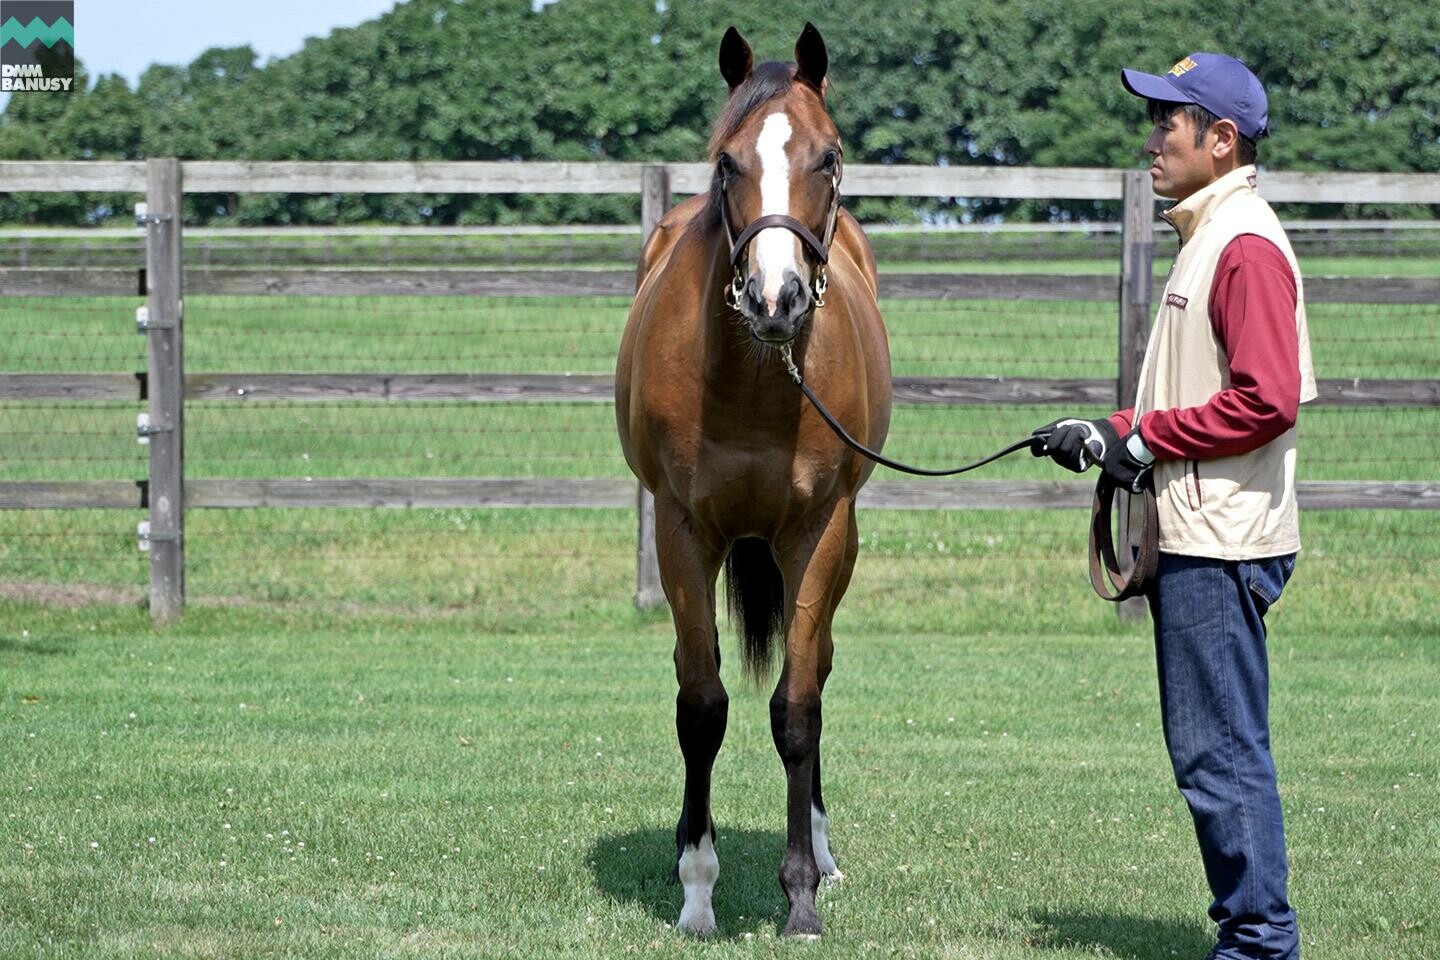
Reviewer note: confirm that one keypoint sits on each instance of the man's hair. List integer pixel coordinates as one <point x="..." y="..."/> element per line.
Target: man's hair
<point x="1203" y="120"/>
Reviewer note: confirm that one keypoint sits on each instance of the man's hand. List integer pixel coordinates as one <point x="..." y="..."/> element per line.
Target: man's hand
<point x="1076" y="445"/>
<point x="1128" y="463"/>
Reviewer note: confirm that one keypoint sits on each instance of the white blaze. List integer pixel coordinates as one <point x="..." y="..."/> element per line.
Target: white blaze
<point x="774" y="246"/>
<point x="699" y="868"/>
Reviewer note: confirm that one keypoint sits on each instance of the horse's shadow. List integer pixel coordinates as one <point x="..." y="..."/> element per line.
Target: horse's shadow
<point x="639" y="867"/>
<point x="1119" y="935"/>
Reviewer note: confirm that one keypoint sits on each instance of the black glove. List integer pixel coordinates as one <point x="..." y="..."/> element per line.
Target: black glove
<point x="1128" y="462"/>
<point x="1076" y="445"/>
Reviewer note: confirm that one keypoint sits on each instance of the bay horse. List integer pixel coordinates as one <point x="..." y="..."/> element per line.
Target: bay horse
<point x="743" y="473"/>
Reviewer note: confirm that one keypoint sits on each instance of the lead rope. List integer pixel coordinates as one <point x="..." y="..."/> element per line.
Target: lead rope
<point x="1106" y="574"/>
<point x="860" y="448"/>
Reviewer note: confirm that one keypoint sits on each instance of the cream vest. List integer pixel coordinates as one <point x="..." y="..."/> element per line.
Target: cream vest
<point x="1231" y="508"/>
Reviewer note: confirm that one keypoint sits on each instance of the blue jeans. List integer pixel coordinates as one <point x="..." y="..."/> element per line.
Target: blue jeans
<point x="1214" y="703"/>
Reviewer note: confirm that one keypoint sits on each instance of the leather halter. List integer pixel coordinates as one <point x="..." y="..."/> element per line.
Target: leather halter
<point x="818" y="248"/>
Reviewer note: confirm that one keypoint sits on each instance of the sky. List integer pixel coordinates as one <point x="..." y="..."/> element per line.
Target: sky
<point x="126" y="36"/>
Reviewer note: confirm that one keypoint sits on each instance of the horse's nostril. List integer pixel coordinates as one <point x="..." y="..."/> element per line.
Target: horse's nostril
<point x="751" y="302"/>
<point x="794" y="299"/>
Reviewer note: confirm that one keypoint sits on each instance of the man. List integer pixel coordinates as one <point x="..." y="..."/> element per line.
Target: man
<point x="1226" y="368"/>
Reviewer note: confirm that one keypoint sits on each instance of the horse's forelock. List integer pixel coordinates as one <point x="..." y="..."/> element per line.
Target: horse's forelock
<point x="768" y="81"/>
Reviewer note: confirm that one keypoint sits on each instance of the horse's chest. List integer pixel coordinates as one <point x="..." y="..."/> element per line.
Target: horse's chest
<point x="734" y="486"/>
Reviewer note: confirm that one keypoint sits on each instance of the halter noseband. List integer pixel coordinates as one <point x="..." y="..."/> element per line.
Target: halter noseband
<point x="819" y="248"/>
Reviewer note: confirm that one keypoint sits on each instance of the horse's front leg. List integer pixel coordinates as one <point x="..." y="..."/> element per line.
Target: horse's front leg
<point x="819" y="821"/>
<point x="688" y="567"/>
<point x="816" y="567"/>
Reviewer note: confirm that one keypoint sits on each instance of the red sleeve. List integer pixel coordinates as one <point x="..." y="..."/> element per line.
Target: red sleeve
<point x="1252" y="310"/>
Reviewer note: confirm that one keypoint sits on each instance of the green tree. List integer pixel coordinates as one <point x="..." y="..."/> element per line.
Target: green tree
<point x="1353" y="85"/>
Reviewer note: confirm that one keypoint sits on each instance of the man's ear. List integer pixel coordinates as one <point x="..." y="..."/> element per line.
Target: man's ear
<point x="1227" y="139"/>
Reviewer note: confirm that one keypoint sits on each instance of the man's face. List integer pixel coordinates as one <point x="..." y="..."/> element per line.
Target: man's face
<point x="1178" y="167"/>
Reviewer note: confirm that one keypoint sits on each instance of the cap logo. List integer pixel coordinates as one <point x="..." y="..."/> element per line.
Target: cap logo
<point x="1183" y="67"/>
<point x="1175" y="300"/>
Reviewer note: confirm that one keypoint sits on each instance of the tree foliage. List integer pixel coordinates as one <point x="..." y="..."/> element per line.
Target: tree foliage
<point x="1353" y="85"/>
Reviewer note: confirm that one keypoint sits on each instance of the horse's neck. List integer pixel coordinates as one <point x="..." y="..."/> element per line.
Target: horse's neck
<point x="724" y="348"/>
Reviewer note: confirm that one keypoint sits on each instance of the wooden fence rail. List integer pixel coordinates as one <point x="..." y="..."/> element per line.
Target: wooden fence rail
<point x="166" y="387"/>
<point x="504" y="493"/>
<point x="598" y="388"/>
<point x="861" y="180"/>
<point x="406" y="282"/>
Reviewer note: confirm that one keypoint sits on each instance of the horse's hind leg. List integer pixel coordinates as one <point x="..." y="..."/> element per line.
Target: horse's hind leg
<point x="688" y="569"/>
<point x="815" y="571"/>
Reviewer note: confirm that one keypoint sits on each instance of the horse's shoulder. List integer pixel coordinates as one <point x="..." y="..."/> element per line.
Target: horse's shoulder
<point x="667" y="231"/>
<point x="851" y="239"/>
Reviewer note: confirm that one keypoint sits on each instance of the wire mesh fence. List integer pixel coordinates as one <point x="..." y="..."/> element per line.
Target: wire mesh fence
<point x="70" y="554"/>
<point x="496" y="564"/>
<point x="519" y="566"/>
<point x="589" y="246"/>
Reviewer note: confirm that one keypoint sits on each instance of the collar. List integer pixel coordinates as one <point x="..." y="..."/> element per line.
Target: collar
<point x="1192" y="213"/>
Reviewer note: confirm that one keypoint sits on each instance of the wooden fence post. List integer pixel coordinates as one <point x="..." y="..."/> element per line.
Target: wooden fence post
<point x="165" y="346"/>
<point x="654" y="201"/>
<point x="1137" y="254"/>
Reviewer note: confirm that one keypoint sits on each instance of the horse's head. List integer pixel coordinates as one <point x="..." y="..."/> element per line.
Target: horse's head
<point x="777" y="183"/>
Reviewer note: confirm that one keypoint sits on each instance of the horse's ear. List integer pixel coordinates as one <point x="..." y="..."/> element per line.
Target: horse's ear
<point x="811" y="59"/>
<point x="735" y="58"/>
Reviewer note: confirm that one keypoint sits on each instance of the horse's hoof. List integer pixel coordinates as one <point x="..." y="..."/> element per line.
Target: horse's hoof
<point x="803" y="926"/>
<point x="697" y="923"/>
<point x="833" y="877"/>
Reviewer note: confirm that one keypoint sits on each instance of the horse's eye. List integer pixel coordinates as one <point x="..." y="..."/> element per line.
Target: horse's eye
<point x="830" y="160"/>
<point x="727" y="165"/>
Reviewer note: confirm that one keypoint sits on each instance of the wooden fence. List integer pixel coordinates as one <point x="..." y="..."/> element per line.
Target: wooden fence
<point x="165" y="386"/>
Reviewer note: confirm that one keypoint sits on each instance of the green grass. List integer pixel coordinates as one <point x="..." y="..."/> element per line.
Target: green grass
<point x="416" y="695"/>
<point x="484" y="783"/>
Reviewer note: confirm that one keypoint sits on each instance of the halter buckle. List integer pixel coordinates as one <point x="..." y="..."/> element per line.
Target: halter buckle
<point x="734" y="289"/>
<point x="789" y="358"/>
<point x="819" y="284"/>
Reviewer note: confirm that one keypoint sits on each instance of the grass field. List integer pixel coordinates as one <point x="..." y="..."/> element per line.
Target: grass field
<point x="458" y="783"/>
<point x="434" y="733"/>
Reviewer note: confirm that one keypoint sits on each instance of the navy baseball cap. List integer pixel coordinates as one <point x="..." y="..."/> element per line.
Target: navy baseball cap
<point x="1220" y="84"/>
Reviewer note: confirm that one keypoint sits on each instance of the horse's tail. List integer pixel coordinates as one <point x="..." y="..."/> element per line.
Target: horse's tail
<point x="755" y="595"/>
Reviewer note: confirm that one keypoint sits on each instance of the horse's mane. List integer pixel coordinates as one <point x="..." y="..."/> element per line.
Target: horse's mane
<point x="768" y="81"/>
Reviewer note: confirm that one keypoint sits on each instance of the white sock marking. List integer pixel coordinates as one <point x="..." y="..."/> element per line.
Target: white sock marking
<point x="820" y="841"/>
<point x="699" y="868"/>
<point x="774" y="246"/>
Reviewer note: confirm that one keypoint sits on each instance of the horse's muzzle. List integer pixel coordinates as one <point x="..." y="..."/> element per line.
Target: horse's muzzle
<point x="782" y="324"/>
